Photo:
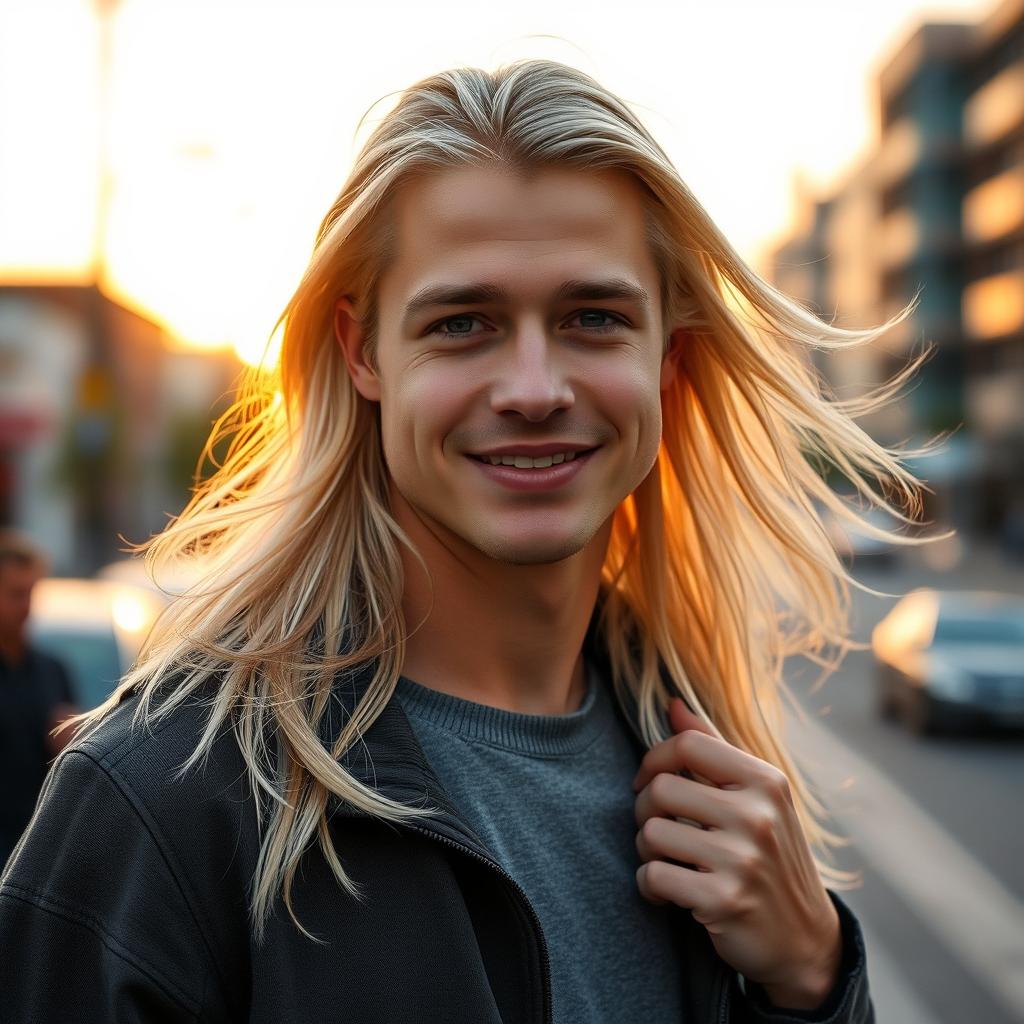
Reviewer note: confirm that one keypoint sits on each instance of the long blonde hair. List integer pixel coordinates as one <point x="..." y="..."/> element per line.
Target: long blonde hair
<point x="718" y="566"/>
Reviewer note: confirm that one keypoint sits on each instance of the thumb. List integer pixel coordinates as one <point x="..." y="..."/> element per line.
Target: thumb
<point x="681" y="718"/>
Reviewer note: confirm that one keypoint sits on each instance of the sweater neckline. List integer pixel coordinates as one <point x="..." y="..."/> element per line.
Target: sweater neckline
<point x="512" y="730"/>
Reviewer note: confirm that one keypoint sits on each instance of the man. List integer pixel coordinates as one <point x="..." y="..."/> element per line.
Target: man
<point x="473" y="715"/>
<point x="35" y="692"/>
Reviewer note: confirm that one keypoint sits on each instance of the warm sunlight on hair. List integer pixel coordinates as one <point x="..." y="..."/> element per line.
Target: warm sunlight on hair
<point x="718" y="565"/>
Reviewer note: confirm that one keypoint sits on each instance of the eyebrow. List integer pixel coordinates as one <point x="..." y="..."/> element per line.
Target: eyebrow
<point x="462" y="295"/>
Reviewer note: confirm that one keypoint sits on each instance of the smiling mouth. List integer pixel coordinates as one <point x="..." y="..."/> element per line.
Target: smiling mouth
<point x="526" y="462"/>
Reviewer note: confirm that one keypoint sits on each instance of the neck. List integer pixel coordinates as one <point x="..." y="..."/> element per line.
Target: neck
<point x="510" y="636"/>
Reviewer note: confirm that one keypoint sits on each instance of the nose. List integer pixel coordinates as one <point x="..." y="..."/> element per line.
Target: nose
<point x="530" y="380"/>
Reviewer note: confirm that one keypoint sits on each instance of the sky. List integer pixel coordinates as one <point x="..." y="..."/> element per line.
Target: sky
<point x="232" y="123"/>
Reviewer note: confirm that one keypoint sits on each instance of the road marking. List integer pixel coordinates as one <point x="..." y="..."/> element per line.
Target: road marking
<point x="962" y="902"/>
<point x="893" y="998"/>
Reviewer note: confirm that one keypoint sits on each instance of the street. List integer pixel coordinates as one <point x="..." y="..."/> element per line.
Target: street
<point x="935" y="825"/>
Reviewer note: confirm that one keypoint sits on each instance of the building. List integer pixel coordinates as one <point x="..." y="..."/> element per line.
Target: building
<point x="936" y="210"/>
<point x="90" y="395"/>
<point x="993" y="265"/>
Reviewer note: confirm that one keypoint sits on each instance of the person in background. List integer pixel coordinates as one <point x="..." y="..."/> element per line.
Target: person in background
<point x="35" y="692"/>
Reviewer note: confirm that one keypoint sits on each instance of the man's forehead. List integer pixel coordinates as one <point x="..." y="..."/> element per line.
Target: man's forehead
<point x="467" y="206"/>
<point x="474" y="224"/>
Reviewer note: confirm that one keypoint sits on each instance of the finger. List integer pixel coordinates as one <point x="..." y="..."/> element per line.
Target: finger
<point x="663" y="839"/>
<point x="661" y="882"/>
<point x="681" y="718"/>
<point x="718" y="761"/>
<point x="673" y="796"/>
<point x="711" y="898"/>
<point x="660" y="757"/>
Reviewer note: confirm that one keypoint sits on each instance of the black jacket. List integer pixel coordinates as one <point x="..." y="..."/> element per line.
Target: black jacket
<point x="126" y="901"/>
<point x="30" y="690"/>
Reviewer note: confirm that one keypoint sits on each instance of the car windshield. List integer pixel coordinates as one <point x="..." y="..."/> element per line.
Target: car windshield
<point x="991" y="629"/>
<point x="91" y="658"/>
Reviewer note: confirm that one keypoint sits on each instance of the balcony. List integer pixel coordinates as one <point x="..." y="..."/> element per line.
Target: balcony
<point x="996" y="108"/>
<point x="996" y="207"/>
<point x="994" y="306"/>
<point x="898" y="340"/>
<point x="993" y="403"/>
<point x="900" y="237"/>
<point x="900" y="149"/>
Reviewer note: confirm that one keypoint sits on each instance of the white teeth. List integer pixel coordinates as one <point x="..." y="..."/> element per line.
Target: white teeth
<point x="525" y="462"/>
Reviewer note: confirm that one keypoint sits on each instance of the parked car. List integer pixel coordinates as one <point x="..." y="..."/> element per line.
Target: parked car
<point x="947" y="659"/>
<point x="95" y="627"/>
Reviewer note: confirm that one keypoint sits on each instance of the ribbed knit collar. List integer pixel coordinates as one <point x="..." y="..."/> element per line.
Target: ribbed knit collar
<point x="512" y="730"/>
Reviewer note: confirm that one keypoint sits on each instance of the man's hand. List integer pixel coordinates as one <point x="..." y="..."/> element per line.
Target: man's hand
<point x="747" y="873"/>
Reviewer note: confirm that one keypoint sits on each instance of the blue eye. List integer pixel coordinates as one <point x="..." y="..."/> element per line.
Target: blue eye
<point x="452" y="320"/>
<point x="617" y="322"/>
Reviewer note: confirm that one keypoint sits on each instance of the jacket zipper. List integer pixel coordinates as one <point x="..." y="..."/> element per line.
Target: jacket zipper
<point x="542" y="942"/>
<point x="723" y="1002"/>
<point x="723" y="999"/>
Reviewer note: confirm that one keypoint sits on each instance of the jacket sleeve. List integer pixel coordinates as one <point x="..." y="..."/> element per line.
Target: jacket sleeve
<point x="94" y="926"/>
<point x="849" y="1001"/>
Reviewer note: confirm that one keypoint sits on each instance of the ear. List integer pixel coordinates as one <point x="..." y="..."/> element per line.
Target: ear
<point x="669" y="362"/>
<point x="348" y="332"/>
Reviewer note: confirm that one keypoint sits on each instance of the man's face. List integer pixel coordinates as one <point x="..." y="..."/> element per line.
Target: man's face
<point x="578" y="371"/>
<point x="16" y="583"/>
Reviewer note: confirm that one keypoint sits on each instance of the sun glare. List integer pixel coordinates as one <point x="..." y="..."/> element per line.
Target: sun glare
<point x="218" y="170"/>
<point x="257" y="351"/>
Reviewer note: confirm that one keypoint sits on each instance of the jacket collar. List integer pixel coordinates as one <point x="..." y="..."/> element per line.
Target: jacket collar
<point x="390" y="759"/>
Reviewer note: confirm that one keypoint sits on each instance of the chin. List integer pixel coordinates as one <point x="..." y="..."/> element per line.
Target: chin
<point x="530" y="552"/>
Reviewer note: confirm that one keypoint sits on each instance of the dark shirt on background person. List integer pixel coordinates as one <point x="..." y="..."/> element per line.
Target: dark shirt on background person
<point x="30" y="691"/>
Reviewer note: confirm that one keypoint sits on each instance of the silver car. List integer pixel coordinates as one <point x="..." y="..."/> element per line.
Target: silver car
<point x="946" y="660"/>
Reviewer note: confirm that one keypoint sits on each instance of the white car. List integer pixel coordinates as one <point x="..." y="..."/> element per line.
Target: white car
<point x="94" y="627"/>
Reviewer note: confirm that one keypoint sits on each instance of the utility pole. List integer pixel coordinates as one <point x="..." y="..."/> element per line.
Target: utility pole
<point x="94" y="436"/>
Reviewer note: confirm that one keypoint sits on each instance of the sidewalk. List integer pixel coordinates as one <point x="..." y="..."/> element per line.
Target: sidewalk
<point x="939" y="879"/>
<point x="894" y="1000"/>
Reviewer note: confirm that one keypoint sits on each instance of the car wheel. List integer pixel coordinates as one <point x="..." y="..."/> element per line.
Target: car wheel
<point x="918" y="714"/>
<point x="886" y="703"/>
<point x="923" y="718"/>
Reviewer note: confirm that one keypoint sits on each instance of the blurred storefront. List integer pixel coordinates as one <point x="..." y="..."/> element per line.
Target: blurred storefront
<point x="92" y="397"/>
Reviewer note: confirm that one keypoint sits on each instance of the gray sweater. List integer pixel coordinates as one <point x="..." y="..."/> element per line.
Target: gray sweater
<point x="550" y="796"/>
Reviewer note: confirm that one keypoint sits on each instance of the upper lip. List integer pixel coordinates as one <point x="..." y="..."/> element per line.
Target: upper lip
<point x="536" y="451"/>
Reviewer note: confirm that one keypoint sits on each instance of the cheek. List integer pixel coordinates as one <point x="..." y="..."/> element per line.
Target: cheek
<point x="419" y="411"/>
<point x="631" y="400"/>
